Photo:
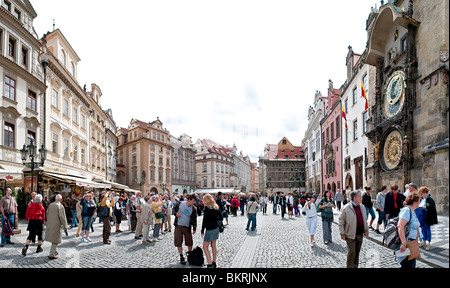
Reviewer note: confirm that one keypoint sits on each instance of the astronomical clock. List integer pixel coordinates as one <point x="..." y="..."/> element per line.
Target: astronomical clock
<point x="392" y="150"/>
<point x="394" y="94"/>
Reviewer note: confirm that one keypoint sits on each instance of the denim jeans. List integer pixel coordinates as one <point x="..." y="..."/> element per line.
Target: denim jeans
<point x="74" y="218"/>
<point x="370" y="211"/>
<point x="7" y="238"/>
<point x="251" y="218"/>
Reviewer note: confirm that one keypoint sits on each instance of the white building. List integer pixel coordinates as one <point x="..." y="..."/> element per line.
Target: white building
<point x="22" y="87"/>
<point x="354" y="141"/>
<point x="312" y="144"/>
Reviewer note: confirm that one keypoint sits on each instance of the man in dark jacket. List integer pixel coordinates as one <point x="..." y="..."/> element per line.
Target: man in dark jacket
<point x="393" y="202"/>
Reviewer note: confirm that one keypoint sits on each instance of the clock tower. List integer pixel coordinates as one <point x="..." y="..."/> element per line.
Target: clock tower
<point x="409" y="123"/>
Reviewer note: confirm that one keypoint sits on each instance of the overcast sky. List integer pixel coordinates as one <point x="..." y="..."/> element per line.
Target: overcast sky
<point x="236" y="72"/>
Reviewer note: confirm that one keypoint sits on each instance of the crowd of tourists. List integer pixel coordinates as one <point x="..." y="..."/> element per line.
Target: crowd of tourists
<point x="414" y="207"/>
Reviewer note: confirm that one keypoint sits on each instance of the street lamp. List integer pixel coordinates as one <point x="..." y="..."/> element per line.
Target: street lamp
<point x="163" y="186"/>
<point x="29" y="151"/>
<point x="141" y="182"/>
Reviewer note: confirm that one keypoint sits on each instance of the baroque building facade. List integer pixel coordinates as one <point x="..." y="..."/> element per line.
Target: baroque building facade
<point x="144" y="157"/>
<point x="22" y="87"/>
<point x="214" y="166"/>
<point x="408" y="44"/>
<point x="183" y="165"/>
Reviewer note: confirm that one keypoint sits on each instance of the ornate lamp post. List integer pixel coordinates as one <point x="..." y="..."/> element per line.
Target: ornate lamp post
<point x="142" y="182"/>
<point x="163" y="186"/>
<point x="29" y="151"/>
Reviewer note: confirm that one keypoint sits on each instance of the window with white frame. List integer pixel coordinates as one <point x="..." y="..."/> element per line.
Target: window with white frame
<point x="66" y="107"/>
<point x="55" y="98"/>
<point x="66" y="148"/>
<point x="75" y="115"/>
<point x="355" y="129"/>
<point x="366" y="119"/>
<point x="54" y="143"/>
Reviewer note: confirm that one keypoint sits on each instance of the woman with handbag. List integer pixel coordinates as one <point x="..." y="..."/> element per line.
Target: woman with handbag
<point x="158" y="215"/>
<point x="409" y="238"/>
<point x="212" y="219"/>
<point x="325" y="206"/>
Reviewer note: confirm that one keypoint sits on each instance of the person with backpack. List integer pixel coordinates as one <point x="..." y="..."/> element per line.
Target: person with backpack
<point x="353" y="227"/>
<point x="409" y="239"/>
<point x="185" y="220"/>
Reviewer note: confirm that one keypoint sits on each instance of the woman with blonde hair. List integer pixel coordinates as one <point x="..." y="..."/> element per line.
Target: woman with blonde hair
<point x="211" y="219"/>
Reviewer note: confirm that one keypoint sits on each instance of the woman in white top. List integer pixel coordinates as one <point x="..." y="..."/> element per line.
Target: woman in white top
<point x="311" y="218"/>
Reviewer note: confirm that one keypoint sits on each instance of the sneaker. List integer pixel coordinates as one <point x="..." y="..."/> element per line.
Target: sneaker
<point x="83" y="240"/>
<point x="377" y="231"/>
<point x="428" y="246"/>
<point x="88" y="239"/>
<point x="39" y="249"/>
<point x="160" y="238"/>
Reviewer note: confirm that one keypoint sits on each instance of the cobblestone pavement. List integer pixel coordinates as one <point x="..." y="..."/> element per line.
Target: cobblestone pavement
<point x="276" y="243"/>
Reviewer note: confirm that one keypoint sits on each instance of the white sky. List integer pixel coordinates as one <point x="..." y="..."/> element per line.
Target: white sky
<point x="234" y="71"/>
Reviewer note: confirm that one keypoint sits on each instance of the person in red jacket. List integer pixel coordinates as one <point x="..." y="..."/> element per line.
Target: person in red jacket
<point x="35" y="216"/>
<point x="234" y="205"/>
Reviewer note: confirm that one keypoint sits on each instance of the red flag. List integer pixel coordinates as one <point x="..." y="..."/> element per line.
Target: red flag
<point x="363" y="94"/>
<point x="343" y="116"/>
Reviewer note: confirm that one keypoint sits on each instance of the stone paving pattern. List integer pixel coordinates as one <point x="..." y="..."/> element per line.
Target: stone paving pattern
<point x="276" y="243"/>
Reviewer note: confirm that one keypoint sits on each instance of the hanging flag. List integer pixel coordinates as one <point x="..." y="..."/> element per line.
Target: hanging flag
<point x="363" y="93"/>
<point x="345" y="117"/>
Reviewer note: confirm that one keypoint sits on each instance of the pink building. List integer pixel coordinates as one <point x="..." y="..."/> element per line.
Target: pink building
<point x="331" y="142"/>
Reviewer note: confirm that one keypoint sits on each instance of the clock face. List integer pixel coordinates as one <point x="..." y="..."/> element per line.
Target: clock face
<point x="394" y="94"/>
<point x="392" y="152"/>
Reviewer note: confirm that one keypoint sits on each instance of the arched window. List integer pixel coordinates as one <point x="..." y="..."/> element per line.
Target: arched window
<point x="63" y="58"/>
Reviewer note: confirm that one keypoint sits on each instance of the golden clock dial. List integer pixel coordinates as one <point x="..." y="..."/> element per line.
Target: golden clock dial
<point x="394" y="94"/>
<point x="393" y="150"/>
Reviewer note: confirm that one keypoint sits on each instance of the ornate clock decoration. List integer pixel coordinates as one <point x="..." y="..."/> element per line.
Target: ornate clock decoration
<point x="393" y="150"/>
<point x="394" y="94"/>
